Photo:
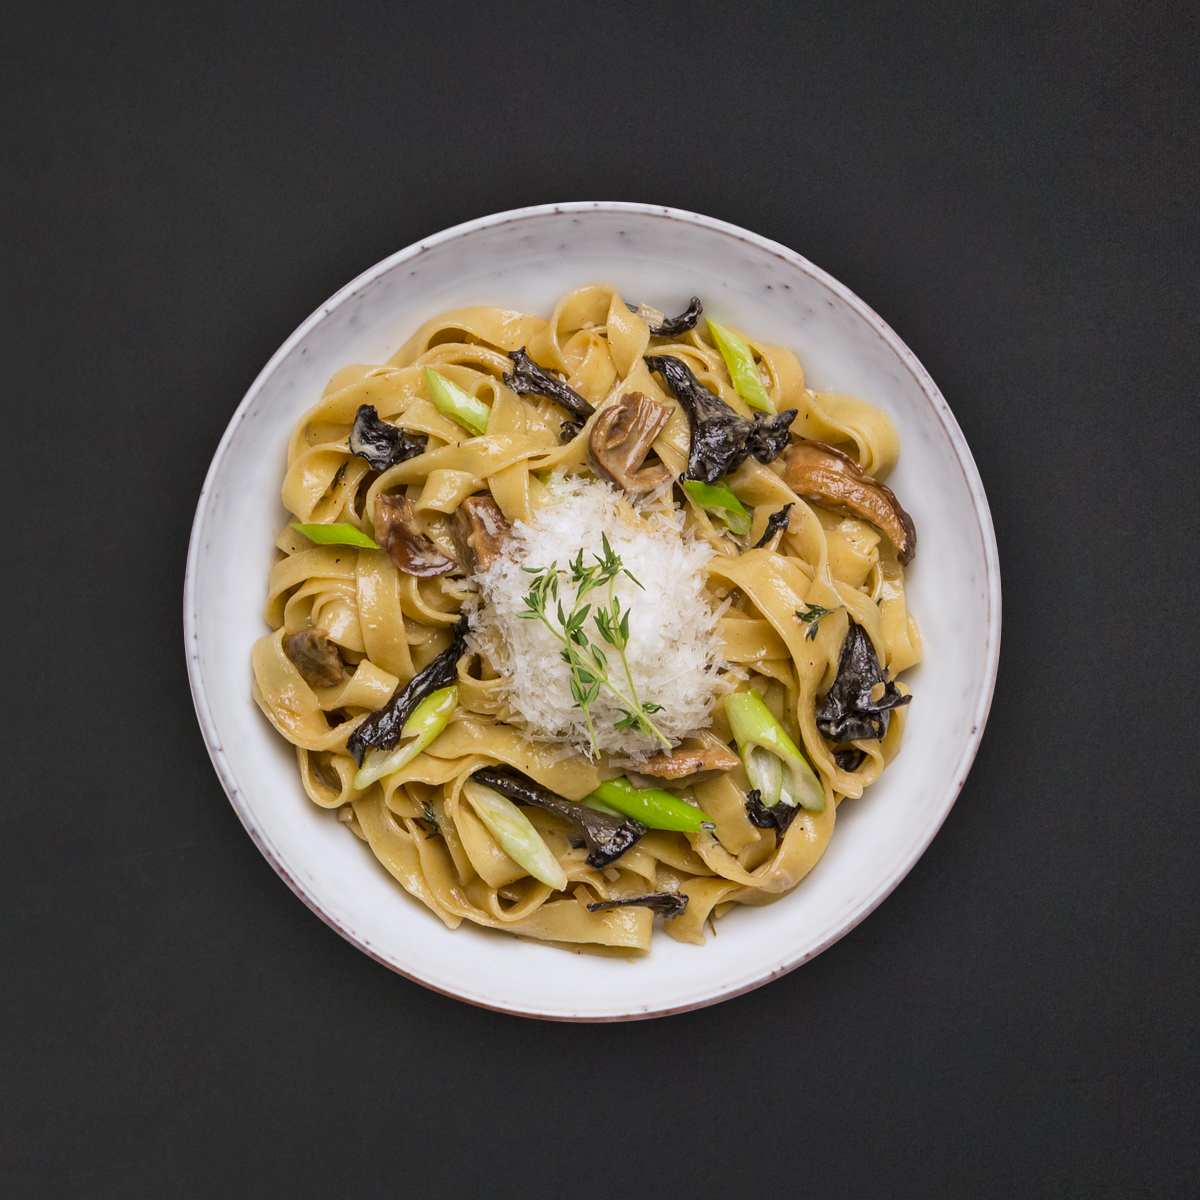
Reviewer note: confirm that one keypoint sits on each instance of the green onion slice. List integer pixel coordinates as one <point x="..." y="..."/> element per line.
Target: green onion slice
<point x="743" y="370"/>
<point x="515" y="835"/>
<point x="775" y="767"/>
<point x="335" y="535"/>
<point x="721" y="502"/>
<point x="471" y="413"/>
<point x="428" y="719"/>
<point x="655" y="808"/>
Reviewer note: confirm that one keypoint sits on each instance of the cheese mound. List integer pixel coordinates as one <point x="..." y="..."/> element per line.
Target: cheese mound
<point x="673" y="651"/>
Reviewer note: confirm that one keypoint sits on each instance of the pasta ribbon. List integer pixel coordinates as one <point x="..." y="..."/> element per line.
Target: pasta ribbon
<point x="782" y="599"/>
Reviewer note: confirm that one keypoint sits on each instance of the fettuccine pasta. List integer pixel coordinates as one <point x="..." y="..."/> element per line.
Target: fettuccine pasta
<point x="790" y="549"/>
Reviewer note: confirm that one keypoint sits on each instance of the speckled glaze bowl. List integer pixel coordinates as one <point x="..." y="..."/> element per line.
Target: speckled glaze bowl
<point x="526" y="259"/>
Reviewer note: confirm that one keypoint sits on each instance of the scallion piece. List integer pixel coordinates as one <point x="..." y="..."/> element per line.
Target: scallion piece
<point x="743" y="370"/>
<point x="655" y="808"/>
<point x="453" y="402"/>
<point x="335" y="535"/>
<point x="719" y="500"/>
<point x="593" y="800"/>
<point x="775" y="767"/>
<point x="515" y="834"/>
<point x="429" y="718"/>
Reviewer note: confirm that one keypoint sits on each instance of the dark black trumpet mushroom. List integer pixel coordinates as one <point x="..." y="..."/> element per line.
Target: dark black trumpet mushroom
<point x="528" y="379"/>
<point x="381" y="444"/>
<point x="382" y="729"/>
<point x="670" y="904"/>
<point x="776" y="522"/>
<point x="606" y="837"/>
<point x="848" y="713"/>
<point x="849" y="760"/>
<point x="762" y="816"/>
<point x="674" y="326"/>
<point x="721" y="439"/>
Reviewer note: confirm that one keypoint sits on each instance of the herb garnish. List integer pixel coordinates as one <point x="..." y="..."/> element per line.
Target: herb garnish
<point x="586" y="659"/>
<point x="811" y="616"/>
<point x="430" y="817"/>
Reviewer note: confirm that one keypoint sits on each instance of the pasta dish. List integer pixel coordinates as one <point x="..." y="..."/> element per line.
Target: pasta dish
<point x="589" y="620"/>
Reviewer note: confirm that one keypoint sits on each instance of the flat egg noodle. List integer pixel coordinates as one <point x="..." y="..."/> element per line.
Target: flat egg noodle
<point x="388" y="625"/>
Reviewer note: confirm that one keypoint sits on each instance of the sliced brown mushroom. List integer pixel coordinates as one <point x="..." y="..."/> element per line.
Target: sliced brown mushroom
<point x="677" y="764"/>
<point x="482" y="533"/>
<point x="412" y="552"/>
<point x="832" y="479"/>
<point x="621" y="438"/>
<point x="315" y="657"/>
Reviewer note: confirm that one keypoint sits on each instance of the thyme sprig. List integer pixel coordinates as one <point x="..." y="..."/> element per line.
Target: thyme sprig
<point x="586" y="659"/>
<point x="811" y="616"/>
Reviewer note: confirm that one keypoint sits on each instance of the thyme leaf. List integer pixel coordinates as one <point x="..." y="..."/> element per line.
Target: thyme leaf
<point x="586" y="659"/>
<point x="430" y="818"/>
<point x="811" y="616"/>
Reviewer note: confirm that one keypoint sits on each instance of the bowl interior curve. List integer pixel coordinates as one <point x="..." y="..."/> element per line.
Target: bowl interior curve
<point x="527" y="260"/>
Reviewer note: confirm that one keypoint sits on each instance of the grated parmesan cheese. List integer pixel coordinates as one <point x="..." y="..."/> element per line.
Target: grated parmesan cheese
<point x="673" y="652"/>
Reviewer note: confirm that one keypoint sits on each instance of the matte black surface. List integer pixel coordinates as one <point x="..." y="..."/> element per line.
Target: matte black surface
<point x="1013" y="186"/>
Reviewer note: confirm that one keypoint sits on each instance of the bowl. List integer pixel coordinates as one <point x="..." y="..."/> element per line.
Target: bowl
<point x="526" y="259"/>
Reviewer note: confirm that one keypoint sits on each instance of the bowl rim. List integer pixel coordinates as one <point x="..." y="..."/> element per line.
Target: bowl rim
<point x="966" y="462"/>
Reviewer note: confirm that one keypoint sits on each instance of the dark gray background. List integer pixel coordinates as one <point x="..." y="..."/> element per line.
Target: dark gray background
<point x="1013" y="186"/>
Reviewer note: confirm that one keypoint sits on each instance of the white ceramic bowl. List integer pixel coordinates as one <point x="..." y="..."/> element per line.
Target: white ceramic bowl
<point x="526" y="259"/>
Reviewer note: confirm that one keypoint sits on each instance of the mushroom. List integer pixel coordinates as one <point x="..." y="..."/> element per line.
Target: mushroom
<point x="832" y="479"/>
<point x="777" y="817"/>
<point x="777" y="522"/>
<point x="383" y="445"/>
<point x="859" y="701"/>
<point x="317" y="659"/>
<point x="620" y="440"/>
<point x="528" y="379"/>
<point x="661" y="326"/>
<point x="383" y="728"/>
<point x="678" y="764"/>
<point x="721" y="438"/>
<point x="849" y="759"/>
<point x="670" y="904"/>
<point x="482" y="533"/>
<point x="605" y="836"/>
<point x="397" y="533"/>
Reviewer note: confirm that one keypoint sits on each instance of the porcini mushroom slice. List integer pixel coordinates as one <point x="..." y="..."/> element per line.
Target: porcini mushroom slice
<point x="678" y="764"/>
<point x="620" y="440"/>
<point x="832" y="479"/>
<point x="316" y="658"/>
<point x="482" y="532"/>
<point x="397" y="533"/>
